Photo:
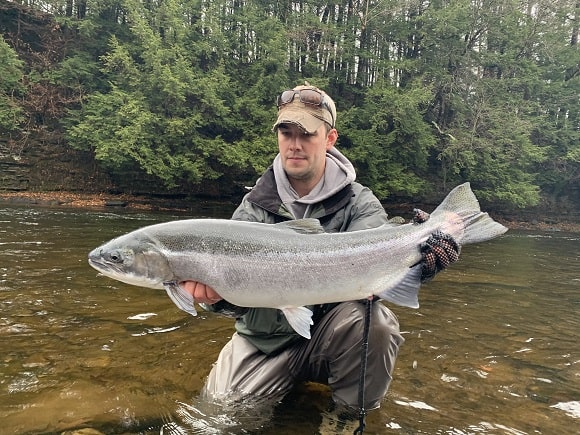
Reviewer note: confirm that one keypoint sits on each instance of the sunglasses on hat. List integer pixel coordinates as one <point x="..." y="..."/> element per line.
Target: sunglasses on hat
<point x="312" y="97"/>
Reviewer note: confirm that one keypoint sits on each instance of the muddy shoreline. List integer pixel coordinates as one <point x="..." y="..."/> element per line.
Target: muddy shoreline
<point x="145" y="203"/>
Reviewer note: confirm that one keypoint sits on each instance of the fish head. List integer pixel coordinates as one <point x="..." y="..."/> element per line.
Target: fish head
<point x="133" y="259"/>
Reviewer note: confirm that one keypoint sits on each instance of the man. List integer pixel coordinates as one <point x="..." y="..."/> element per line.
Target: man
<point x="310" y="178"/>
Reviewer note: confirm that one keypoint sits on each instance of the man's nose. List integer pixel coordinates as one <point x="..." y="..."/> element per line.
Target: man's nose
<point x="295" y="142"/>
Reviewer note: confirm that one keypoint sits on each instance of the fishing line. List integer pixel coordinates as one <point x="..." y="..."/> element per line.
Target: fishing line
<point x="363" y="367"/>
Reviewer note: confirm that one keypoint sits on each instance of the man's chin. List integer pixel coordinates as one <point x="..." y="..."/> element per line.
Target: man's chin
<point x="296" y="169"/>
<point x="297" y="174"/>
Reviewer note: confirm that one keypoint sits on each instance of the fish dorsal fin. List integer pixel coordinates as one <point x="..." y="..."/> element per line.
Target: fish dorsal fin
<point x="302" y="226"/>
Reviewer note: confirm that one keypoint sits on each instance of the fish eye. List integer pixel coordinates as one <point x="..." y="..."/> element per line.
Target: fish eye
<point x="115" y="257"/>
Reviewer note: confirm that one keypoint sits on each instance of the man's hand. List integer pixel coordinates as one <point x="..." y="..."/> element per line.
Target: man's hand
<point x="439" y="251"/>
<point x="206" y="296"/>
<point x="201" y="293"/>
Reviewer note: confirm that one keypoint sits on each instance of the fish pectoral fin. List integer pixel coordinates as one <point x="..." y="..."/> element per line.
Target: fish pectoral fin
<point x="406" y="292"/>
<point x="300" y="318"/>
<point x="180" y="297"/>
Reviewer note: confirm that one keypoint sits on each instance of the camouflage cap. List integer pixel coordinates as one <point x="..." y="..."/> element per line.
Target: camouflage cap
<point x="308" y="117"/>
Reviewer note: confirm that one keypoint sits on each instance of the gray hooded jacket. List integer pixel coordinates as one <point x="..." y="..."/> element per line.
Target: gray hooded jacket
<point x="338" y="202"/>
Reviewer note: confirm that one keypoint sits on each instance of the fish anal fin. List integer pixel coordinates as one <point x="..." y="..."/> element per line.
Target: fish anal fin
<point x="406" y="292"/>
<point x="300" y="319"/>
<point x="180" y="297"/>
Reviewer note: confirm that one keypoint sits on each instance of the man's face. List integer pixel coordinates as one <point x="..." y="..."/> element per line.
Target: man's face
<point x="303" y="154"/>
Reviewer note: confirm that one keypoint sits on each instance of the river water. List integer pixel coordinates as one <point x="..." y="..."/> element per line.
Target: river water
<point x="493" y="349"/>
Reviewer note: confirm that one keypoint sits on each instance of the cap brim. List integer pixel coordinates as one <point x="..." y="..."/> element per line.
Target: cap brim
<point x="298" y="116"/>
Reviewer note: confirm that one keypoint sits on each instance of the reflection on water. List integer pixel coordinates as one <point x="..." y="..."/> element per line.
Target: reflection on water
<point x="493" y="348"/>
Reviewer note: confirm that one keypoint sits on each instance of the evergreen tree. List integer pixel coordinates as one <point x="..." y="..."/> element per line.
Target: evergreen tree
<point x="429" y="94"/>
<point x="11" y="89"/>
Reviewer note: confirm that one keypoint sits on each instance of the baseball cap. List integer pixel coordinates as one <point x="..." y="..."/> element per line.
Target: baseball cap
<point x="307" y="107"/>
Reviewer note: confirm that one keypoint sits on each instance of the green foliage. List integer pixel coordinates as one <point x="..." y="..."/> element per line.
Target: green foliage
<point x="171" y="113"/>
<point x="388" y="139"/>
<point x="490" y="145"/>
<point x="11" y="113"/>
<point x="429" y="94"/>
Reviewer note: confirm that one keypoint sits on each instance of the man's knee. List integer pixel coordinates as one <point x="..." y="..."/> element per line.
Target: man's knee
<point x="384" y="325"/>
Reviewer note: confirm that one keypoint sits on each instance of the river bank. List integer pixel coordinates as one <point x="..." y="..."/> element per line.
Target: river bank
<point x="145" y="203"/>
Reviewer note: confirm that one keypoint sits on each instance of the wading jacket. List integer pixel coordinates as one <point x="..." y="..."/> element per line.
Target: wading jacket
<point x="352" y="208"/>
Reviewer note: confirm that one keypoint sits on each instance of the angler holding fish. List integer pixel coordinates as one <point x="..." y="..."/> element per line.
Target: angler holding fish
<point x="297" y="287"/>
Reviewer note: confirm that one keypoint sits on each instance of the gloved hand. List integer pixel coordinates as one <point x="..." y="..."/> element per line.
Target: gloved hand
<point x="439" y="251"/>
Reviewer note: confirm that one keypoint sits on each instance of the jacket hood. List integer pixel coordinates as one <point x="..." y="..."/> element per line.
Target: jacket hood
<point x="339" y="173"/>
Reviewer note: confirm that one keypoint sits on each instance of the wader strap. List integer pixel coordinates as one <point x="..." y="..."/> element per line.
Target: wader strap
<point x="363" y="367"/>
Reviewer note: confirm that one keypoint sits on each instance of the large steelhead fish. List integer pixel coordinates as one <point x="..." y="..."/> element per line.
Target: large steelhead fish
<point x="291" y="264"/>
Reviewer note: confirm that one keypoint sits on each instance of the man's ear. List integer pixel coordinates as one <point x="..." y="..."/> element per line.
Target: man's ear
<point x="331" y="138"/>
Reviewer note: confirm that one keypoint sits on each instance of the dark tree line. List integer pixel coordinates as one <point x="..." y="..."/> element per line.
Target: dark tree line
<point x="429" y="93"/>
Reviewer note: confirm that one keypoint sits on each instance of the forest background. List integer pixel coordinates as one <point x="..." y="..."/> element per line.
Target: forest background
<point x="181" y="93"/>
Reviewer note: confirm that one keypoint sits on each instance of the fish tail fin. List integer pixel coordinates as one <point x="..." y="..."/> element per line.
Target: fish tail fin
<point x="406" y="292"/>
<point x="478" y="226"/>
<point x="300" y="319"/>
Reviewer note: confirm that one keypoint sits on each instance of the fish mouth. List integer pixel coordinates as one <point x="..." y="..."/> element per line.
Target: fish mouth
<point x="105" y="268"/>
<point x="95" y="258"/>
<point x="97" y="261"/>
<point x="112" y="271"/>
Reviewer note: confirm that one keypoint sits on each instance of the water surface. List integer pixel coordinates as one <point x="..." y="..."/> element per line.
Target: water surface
<point x="493" y="348"/>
